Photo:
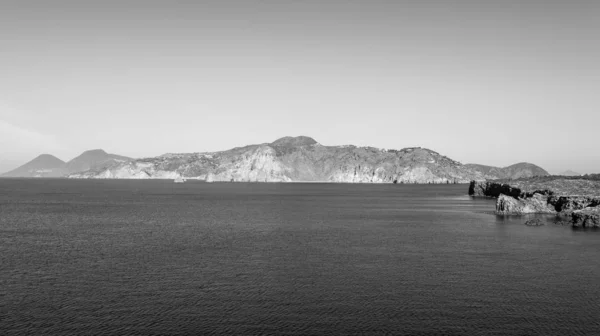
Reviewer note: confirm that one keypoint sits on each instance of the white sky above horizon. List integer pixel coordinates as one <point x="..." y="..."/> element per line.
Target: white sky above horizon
<point x="488" y="82"/>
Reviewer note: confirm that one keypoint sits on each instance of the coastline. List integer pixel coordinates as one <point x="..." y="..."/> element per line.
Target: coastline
<point x="573" y="201"/>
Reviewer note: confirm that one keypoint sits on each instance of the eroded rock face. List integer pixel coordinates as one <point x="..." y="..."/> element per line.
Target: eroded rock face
<point x="492" y="189"/>
<point x="299" y="159"/>
<point x="578" y="210"/>
<point x="587" y="217"/>
<point x="495" y="189"/>
<point x="507" y="205"/>
<point x="571" y="203"/>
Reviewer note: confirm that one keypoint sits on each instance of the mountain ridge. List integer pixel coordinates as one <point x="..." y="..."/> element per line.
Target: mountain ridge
<point x="297" y="159"/>
<point x="47" y="165"/>
<point x="290" y="159"/>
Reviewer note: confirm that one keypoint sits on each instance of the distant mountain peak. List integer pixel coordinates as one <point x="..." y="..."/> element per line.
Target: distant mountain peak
<point x="297" y="141"/>
<point x="569" y="173"/>
<point x="92" y="158"/>
<point x="95" y="151"/>
<point x="48" y="157"/>
<point x="44" y="165"/>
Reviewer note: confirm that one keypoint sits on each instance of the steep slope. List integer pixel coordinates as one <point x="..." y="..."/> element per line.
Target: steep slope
<point x="96" y="158"/>
<point x="45" y="165"/>
<point x="296" y="159"/>
<point x="518" y="170"/>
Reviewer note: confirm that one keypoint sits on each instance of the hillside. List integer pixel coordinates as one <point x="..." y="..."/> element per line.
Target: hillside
<point x="96" y="158"/>
<point x="45" y="165"/>
<point x="518" y="170"/>
<point x="297" y="159"/>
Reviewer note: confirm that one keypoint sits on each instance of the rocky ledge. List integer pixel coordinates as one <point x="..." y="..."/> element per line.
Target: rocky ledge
<point x="581" y="208"/>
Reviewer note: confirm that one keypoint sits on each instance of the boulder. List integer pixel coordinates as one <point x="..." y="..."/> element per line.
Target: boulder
<point x="588" y="217"/>
<point x="535" y="222"/>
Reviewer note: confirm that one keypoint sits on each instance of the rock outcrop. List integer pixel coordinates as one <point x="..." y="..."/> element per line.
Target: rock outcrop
<point x="495" y="189"/>
<point x="535" y="222"/>
<point x="298" y="159"/>
<point x="587" y="217"/>
<point x="546" y="197"/>
<point x="538" y="203"/>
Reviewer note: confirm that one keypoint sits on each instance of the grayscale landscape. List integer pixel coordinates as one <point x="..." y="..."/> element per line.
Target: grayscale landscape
<point x="291" y="167"/>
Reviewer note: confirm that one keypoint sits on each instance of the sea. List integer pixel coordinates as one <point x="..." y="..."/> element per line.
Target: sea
<point x="153" y="257"/>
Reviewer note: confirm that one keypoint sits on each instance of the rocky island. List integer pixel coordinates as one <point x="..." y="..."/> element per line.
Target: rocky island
<point x="299" y="159"/>
<point x="574" y="200"/>
<point x="288" y="159"/>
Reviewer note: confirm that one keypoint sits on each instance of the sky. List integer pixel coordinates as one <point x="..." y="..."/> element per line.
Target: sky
<point x="489" y="82"/>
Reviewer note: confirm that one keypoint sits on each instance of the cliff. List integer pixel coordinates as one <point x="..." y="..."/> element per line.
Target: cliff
<point x="297" y="159"/>
<point x="571" y="200"/>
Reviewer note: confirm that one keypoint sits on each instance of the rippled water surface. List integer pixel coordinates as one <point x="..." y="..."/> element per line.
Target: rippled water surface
<point x="153" y="258"/>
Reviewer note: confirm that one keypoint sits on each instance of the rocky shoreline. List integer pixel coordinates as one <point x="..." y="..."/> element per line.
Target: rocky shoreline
<point x="580" y="209"/>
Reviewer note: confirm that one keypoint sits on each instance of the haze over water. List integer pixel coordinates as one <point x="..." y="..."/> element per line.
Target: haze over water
<point x="153" y="258"/>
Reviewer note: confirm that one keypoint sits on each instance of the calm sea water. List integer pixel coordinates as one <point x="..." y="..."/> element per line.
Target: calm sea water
<point x="156" y="258"/>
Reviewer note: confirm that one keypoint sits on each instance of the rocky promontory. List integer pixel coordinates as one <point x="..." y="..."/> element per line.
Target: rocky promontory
<point x="576" y="201"/>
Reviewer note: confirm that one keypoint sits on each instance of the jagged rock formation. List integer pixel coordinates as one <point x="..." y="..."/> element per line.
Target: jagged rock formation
<point x="497" y="188"/>
<point x="518" y="170"/>
<point x="576" y="201"/>
<point x="587" y="217"/>
<point x="554" y="184"/>
<point x="538" y="203"/>
<point x="297" y="159"/>
<point x="45" y="165"/>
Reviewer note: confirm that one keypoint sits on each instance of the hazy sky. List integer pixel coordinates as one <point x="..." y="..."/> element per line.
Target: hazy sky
<point x="490" y="82"/>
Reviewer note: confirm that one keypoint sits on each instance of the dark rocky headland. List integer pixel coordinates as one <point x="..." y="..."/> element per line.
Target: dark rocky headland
<point x="573" y="200"/>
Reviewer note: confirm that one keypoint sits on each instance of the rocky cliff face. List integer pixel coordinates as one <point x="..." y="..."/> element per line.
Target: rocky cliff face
<point x="299" y="159"/>
<point x="581" y="208"/>
<point x="518" y="170"/>
<point x="538" y="203"/>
